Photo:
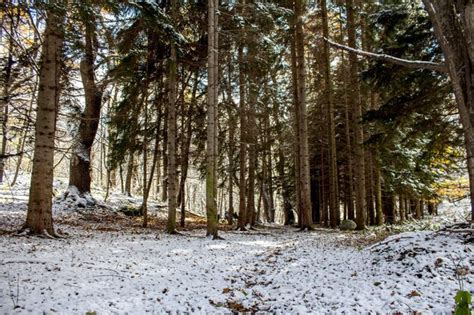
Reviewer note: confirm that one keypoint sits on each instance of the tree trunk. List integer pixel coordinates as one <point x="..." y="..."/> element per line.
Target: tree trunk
<point x="333" y="182"/>
<point x="39" y="218"/>
<point x="453" y="23"/>
<point x="145" y="165"/>
<point x="252" y="136"/>
<point x="129" y="176"/>
<point x="303" y="151"/>
<point x="80" y="163"/>
<point x="164" y="182"/>
<point x="378" y="194"/>
<point x="232" y="147"/>
<point x="358" y="129"/>
<point x="389" y="206"/>
<point x="211" y="149"/>
<point x="242" y="145"/>
<point x="296" y="155"/>
<point x="172" y="180"/>
<point x="401" y="207"/>
<point x="348" y="167"/>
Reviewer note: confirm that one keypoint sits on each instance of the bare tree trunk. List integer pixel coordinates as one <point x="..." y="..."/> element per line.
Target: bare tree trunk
<point x="39" y="218"/>
<point x="333" y="182"/>
<point x="145" y="165"/>
<point x="80" y="163"/>
<point x="253" y="142"/>
<point x="242" y="145"/>
<point x="358" y="128"/>
<point x="379" y="216"/>
<point x="129" y="176"/>
<point x="172" y="180"/>
<point x="232" y="147"/>
<point x="401" y="207"/>
<point x="303" y="151"/>
<point x="370" y="188"/>
<point x="296" y="155"/>
<point x="211" y="176"/>
<point x="164" y="182"/>
<point x="388" y="201"/>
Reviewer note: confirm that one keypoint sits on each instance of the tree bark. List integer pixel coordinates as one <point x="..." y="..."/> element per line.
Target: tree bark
<point x="379" y="214"/>
<point x="80" y="163"/>
<point x="129" y="176"/>
<point x="303" y="151"/>
<point x="211" y="149"/>
<point x="172" y="178"/>
<point x="359" y="155"/>
<point x="453" y="23"/>
<point x="333" y="178"/>
<point x="242" y="221"/>
<point x="39" y="218"/>
<point x="252" y="136"/>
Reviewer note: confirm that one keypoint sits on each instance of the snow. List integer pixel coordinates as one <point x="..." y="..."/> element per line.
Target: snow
<point x="276" y="270"/>
<point x="112" y="267"/>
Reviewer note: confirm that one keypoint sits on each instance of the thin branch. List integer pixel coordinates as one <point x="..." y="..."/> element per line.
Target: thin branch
<point x="413" y="64"/>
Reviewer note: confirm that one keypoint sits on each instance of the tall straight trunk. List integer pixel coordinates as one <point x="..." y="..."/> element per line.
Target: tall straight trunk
<point x="268" y="188"/>
<point x="418" y="209"/>
<point x="156" y="150"/>
<point x="172" y="180"/>
<point x="145" y="167"/>
<point x="349" y="173"/>
<point x="401" y="207"/>
<point x="388" y="200"/>
<point x="164" y="181"/>
<point x="80" y="163"/>
<point x="252" y="140"/>
<point x="111" y="173"/>
<point x="285" y="192"/>
<point x="333" y="182"/>
<point x="324" y="215"/>
<point x="39" y="219"/>
<point x="129" y="175"/>
<point x="185" y="148"/>
<point x="379" y="216"/>
<point x="232" y="146"/>
<point x="211" y="148"/>
<point x="370" y="188"/>
<point x="296" y="155"/>
<point x="303" y="150"/>
<point x="359" y="155"/>
<point x="242" y="144"/>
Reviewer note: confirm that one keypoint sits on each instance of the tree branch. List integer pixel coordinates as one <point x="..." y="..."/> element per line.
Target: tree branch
<point x="413" y="64"/>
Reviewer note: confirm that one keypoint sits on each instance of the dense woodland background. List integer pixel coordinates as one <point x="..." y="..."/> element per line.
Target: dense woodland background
<point x="238" y="109"/>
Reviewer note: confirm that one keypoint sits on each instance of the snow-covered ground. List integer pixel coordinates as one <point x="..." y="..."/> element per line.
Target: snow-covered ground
<point x="109" y="265"/>
<point x="275" y="269"/>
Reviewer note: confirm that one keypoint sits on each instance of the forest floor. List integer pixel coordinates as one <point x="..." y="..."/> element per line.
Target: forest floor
<point x="109" y="264"/>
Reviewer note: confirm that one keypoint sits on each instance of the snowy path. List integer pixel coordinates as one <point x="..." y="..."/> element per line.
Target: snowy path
<point x="285" y="271"/>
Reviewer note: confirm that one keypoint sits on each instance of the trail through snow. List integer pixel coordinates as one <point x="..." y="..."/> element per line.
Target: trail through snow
<point x="277" y="270"/>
